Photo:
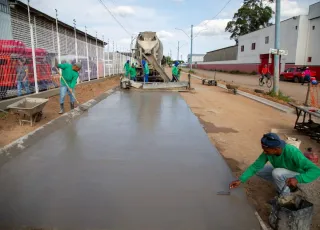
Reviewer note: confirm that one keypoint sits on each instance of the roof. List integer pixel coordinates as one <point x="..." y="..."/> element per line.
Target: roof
<point x="222" y="49"/>
<point x="35" y="11"/>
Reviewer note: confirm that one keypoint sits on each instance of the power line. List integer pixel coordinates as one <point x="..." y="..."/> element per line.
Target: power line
<point x="212" y="18"/>
<point x="115" y="18"/>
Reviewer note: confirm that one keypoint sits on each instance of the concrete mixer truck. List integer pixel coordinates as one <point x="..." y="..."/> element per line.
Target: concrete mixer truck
<point x="149" y="47"/>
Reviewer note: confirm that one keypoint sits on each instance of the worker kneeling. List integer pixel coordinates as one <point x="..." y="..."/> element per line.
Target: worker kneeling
<point x="68" y="82"/>
<point x="288" y="166"/>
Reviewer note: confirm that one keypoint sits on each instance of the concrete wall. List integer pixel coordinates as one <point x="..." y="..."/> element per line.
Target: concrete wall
<point x="313" y="43"/>
<point x="225" y="54"/>
<point x="289" y="34"/>
<point x="302" y="42"/>
<point x="196" y="58"/>
<point x="5" y="21"/>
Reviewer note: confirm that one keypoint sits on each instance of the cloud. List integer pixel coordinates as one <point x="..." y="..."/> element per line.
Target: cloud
<point x="164" y="35"/>
<point x="123" y="11"/>
<point x="211" y="27"/>
<point x="291" y="8"/>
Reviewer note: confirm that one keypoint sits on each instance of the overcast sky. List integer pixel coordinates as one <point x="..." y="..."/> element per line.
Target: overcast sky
<point x="162" y="16"/>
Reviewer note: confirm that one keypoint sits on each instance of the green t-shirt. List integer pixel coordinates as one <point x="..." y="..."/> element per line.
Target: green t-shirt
<point x="146" y="69"/>
<point x="133" y="72"/>
<point x="69" y="75"/>
<point x="126" y="67"/>
<point x="292" y="159"/>
<point x="175" y="71"/>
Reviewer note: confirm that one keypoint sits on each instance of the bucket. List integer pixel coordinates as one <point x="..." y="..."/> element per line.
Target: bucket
<point x="296" y="215"/>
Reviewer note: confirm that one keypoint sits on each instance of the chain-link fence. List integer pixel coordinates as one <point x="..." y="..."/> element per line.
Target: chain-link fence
<point x="27" y="62"/>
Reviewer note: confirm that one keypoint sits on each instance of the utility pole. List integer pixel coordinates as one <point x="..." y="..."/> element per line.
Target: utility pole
<point x="87" y="48"/>
<point x="191" y="38"/>
<point x="76" y="43"/>
<point x="178" y="51"/>
<point x="277" y="46"/>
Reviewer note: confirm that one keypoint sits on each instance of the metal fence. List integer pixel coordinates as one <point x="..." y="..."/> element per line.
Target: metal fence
<point x="27" y="62"/>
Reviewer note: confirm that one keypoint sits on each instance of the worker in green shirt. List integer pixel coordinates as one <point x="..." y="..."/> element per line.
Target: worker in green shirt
<point x="145" y="70"/>
<point x="133" y="72"/>
<point x="70" y="75"/>
<point x="288" y="168"/>
<point x="175" y="72"/>
<point x="126" y="69"/>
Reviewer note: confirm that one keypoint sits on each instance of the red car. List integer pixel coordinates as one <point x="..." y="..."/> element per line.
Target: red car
<point x="295" y="74"/>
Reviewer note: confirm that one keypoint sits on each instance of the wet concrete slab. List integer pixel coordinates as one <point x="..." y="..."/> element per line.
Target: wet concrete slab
<point x="137" y="160"/>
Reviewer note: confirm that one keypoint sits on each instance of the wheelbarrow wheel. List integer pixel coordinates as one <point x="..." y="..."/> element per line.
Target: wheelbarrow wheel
<point x="234" y="91"/>
<point x="203" y="81"/>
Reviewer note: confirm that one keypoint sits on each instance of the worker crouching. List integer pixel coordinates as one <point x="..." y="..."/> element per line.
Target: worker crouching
<point x="288" y="168"/>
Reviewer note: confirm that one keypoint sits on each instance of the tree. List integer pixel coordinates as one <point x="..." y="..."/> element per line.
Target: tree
<point x="252" y="16"/>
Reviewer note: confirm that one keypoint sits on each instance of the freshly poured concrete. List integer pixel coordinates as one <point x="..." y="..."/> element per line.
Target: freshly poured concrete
<point x="136" y="161"/>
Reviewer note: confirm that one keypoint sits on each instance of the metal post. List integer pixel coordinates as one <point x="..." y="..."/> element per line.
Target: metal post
<point x="58" y="39"/>
<point x="277" y="46"/>
<point x="88" y="64"/>
<point x="104" y="59"/>
<point x="113" y="69"/>
<point x="191" y="38"/>
<point x="75" y="40"/>
<point x="109" y="58"/>
<point x="131" y="51"/>
<point x="76" y="43"/>
<point x="33" y="53"/>
<point x="54" y="47"/>
<point x="97" y="55"/>
<point x="35" y="30"/>
<point x="178" y="51"/>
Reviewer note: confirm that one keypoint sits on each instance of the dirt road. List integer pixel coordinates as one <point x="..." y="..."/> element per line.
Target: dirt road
<point x="235" y="126"/>
<point x="294" y="90"/>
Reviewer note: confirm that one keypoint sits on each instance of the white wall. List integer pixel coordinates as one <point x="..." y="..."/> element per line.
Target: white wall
<point x="288" y="42"/>
<point x="302" y="42"/>
<point x="314" y="42"/>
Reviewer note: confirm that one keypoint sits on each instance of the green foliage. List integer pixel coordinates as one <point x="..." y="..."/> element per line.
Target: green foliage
<point x="250" y="17"/>
<point x="280" y="96"/>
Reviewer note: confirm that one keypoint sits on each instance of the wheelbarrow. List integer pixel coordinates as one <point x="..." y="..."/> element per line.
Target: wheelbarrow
<point x="209" y="82"/>
<point x="232" y="88"/>
<point x="29" y="107"/>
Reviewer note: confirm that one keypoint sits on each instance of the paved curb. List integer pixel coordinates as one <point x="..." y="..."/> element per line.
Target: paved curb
<point x="275" y="105"/>
<point x="16" y="147"/>
<point x="45" y="94"/>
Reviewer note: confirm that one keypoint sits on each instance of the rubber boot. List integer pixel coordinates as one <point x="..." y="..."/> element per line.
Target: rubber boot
<point x="72" y="105"/>
<point x="61" y="109"/>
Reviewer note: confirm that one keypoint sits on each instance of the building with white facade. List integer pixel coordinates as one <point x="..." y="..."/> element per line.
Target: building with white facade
<point x="300" y="36"/>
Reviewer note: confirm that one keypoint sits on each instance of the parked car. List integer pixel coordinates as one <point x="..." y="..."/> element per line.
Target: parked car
<point x="295" y="74"/>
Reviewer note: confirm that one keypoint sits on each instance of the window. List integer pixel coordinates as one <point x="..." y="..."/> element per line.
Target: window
<point x="296" y="27"/>
<point x="309" y="59"/>
<point x="266" y="40"/>
<point x="253" y="46"/>
<point x="242" y="48"/>
<point x="313" y="27"/>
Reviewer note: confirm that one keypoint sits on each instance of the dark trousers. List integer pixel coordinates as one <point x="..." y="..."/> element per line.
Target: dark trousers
<point x="306" y="79"/>
<point x="174" y="78"/>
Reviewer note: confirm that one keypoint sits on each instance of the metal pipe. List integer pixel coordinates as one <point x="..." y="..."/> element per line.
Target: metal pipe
<point x="87" y="48"/>
<point x="191" y="38"/>
<point x="277" y="46"/>
<point x="35" y="76"/>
